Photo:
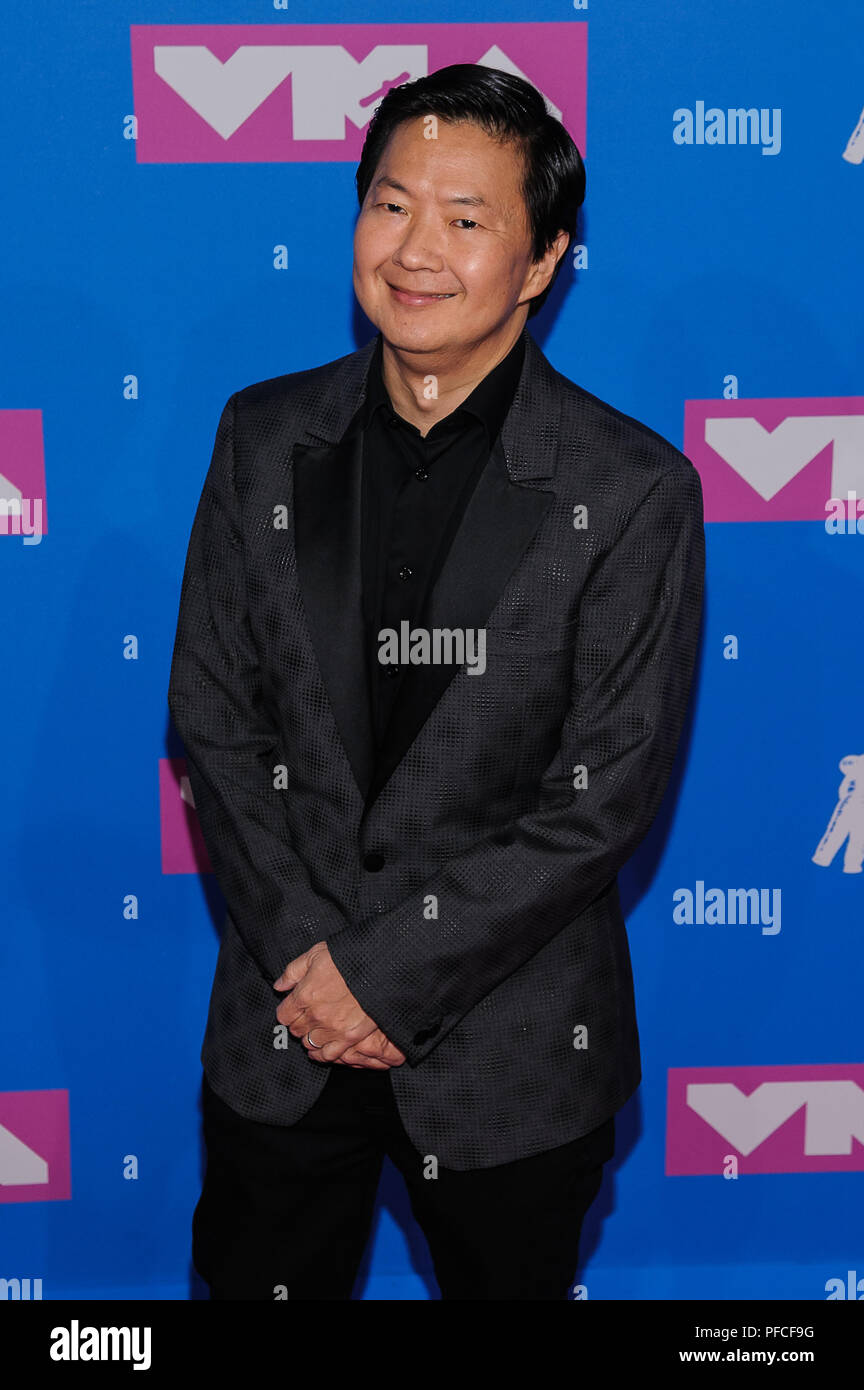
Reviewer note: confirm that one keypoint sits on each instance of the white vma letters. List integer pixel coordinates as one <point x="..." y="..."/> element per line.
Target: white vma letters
<point x="19" y="1164"/>
<point x="769" y="459"/>
<point x="328" y="85"/>
<point x="834" y="1112"/>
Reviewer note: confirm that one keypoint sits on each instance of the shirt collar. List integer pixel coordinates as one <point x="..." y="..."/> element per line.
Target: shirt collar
<point x="489" y="402"/>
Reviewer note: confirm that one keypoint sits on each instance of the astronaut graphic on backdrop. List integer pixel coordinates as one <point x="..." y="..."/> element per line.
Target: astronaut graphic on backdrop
<point x="847" y="819"/>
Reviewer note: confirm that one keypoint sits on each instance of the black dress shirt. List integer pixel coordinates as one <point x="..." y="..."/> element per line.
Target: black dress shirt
<point x="415" y="491"/>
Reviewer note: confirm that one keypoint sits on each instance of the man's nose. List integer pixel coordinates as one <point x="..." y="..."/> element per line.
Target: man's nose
<point x="420" y="247"/>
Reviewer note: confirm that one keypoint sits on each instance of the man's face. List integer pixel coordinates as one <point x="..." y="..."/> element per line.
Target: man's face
<point x="444" y="217"/>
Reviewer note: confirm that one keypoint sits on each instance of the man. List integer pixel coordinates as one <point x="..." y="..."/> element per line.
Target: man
<point x="436" y="635"/>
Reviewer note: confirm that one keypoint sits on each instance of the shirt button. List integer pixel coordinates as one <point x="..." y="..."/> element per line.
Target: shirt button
<point x="421" y="474"/>
<point x="405" y="572"/>
<point x="393" y="421"/>
<point x="374" y="862"/>
<point x="391" y="671"/>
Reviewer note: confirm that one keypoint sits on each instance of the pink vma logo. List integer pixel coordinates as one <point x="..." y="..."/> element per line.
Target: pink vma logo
<point x="776" y="460"/>
<point x="229" y="93"/>
<point x="34" y="1146"/>
<point x="780" y="1119"/>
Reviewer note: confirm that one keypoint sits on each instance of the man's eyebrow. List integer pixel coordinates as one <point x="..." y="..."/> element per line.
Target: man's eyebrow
<point x="472" y="200"/>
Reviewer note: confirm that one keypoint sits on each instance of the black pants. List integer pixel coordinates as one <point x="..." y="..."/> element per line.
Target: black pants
<point x="292" y="1205"/>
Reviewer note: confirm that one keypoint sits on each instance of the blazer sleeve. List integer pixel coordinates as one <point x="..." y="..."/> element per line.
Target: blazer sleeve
<point x="216" y="702"/>
<point x="500" y="903"/>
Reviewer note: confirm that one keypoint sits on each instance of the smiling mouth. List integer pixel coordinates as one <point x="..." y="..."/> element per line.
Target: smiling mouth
<point x="419" y="296"/>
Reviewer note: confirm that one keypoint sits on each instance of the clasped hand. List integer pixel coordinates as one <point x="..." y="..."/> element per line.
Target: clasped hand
<point x="321" y="1003"/>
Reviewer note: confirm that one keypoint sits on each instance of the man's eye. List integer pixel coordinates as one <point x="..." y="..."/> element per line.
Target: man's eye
<point x="391" y="206"/>
<point x="468" y="220"/>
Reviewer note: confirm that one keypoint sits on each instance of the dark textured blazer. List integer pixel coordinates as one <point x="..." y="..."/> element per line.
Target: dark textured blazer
<point x="466" y="882"/>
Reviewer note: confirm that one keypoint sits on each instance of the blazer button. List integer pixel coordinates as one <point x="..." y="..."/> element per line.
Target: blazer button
<point x="374" y="862"/>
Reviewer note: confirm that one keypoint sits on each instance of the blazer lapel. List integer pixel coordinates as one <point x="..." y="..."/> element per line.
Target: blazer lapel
<point x="327" y="518"/>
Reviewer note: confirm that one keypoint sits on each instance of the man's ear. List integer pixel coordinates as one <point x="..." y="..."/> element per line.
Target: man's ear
<point x="541" y="271"/>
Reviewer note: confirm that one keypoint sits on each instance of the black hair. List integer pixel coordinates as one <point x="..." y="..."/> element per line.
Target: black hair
<point x="509" y="109"/>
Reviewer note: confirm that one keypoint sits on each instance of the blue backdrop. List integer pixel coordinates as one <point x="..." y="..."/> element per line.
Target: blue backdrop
<point x="139" y="293"/>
